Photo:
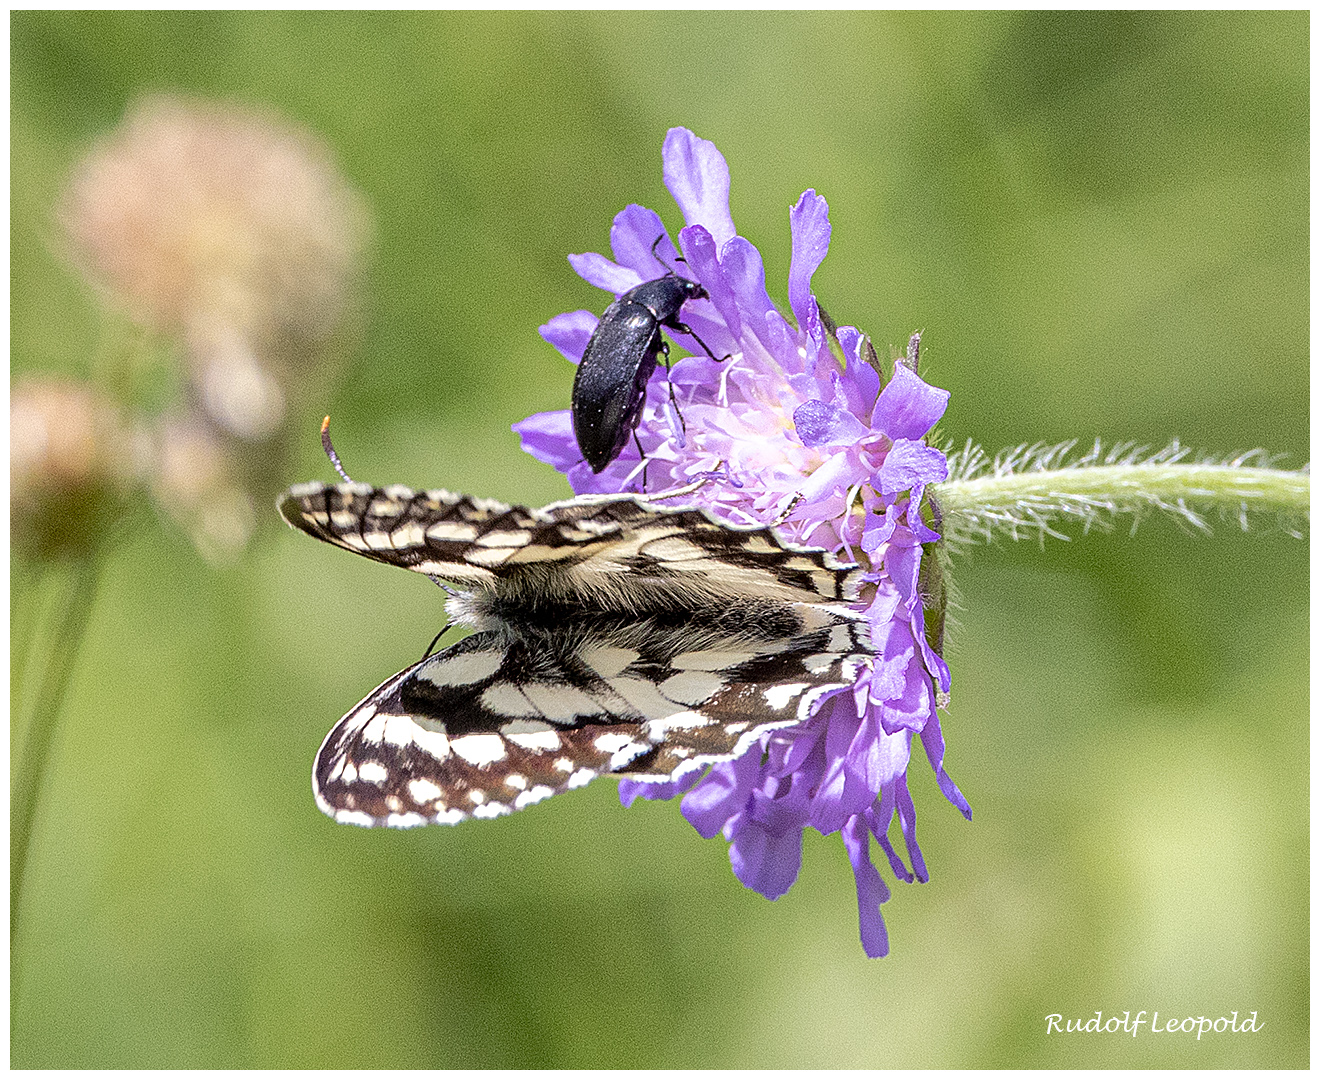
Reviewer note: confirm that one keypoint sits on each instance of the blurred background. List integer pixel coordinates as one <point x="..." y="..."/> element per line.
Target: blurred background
<point x="1100" y="223"/>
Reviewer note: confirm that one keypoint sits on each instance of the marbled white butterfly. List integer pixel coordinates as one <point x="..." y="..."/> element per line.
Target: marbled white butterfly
<point x="610" y="636"/>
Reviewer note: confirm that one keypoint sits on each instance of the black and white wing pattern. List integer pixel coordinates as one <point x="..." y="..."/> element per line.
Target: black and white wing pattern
<point x="610" y="636"/>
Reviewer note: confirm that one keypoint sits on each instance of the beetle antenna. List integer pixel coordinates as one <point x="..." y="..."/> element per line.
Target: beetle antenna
<point x="329" y="449"/>
<point x="656" y="256"/>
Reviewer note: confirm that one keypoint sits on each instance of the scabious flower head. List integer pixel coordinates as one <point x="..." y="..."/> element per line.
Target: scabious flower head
<point x="830" y="449"/>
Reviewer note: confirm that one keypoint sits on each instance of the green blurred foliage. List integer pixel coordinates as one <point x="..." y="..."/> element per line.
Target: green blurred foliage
<point x="1099" y="220"/>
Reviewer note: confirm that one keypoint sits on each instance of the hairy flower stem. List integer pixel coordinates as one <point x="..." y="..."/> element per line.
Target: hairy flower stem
<point x="1029" y="502"/>
<point x="68" y="616"/>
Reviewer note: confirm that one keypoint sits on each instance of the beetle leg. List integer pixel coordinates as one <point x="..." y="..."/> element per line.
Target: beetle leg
<point x="683" y="328"/>
<point x="646" y="464"/>
<point x="680" y="429"/>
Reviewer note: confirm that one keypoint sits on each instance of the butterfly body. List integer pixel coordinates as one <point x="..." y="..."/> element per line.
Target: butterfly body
<point x="610" y="636"/>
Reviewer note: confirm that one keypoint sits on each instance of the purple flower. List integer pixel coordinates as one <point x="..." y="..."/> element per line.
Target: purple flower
<point x="786" y="432"/>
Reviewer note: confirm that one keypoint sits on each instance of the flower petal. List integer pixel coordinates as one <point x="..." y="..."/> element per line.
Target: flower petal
<point x="597" y="270"/>
<point x="877" y="819"/>
<point x="697" y="175"/>
<point x="932" y="741"/>
<point x="810" y="224"/>
<point x="888" y="673"/>
<point x="908" y="407"/>
<point x="907" y="823"/>
<point x="913" y="708"/>
<point x="632" y="790"/>
<point x="861" y="382"/>
<point x="879" y="529"/>
<point x="887" y="764"/>
<point x="699" y="249"/>
<point x="723" y="794"/>
<point x="782" y="341"/>
<point x="821" y="422"/>
<point x="871" y="889"/>
<point x="548" y="437"/>
<point x="570" y="332"/>
<point x="903" y="564"/>
<point x="745" y="273"/>
<point x="634" y="231"/>
<point x="911" y="464"/>
<point x="766" y="862"/>
<point x="835" y="475"/>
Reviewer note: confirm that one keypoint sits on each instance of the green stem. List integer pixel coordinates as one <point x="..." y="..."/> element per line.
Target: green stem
<point x="68" y="621"/>
<point x="26" y="601"/>
<point x="1032" y="500"/>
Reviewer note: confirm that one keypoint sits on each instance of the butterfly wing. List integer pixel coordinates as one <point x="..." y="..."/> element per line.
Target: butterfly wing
<point x="614" y="636"/>
<point x="617" y="553"/>
<point x="437" y="533"/>
<point x="500" y="721"/>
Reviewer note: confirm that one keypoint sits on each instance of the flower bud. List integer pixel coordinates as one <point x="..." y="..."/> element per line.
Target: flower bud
<point x="70" y="466"/>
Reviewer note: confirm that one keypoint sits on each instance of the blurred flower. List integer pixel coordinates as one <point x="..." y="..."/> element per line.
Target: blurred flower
<point x="71" y="465"/>
<point x="233" y="231"/>
<point x="195" y="479"/>
<point x="786" y="432"/>
<point x="230" y="228"/>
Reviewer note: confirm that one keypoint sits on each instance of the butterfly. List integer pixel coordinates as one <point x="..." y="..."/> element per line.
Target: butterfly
<point x="610" y="635"/>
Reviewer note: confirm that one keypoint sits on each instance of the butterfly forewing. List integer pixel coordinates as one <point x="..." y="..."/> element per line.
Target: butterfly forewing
<point x="617" y="553"/>
<point x="613" y="637"/>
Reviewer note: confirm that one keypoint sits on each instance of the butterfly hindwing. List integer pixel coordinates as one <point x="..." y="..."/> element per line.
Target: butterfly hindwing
<point x="391" y="763"/>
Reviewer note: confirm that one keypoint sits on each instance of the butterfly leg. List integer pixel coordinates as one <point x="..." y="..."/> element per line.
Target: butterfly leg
<point x="787" y="511"/>
<point x="435" y="641"/>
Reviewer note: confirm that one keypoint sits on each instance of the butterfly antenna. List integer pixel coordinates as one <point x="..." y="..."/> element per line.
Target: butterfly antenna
<point x="788" y="511"/>
<point x="853" y="493"/>
<point x="688" y="489"/>
<point x="329" y="448"/>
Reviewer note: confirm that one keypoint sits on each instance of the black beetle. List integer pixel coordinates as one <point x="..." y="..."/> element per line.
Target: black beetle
<point x="609" y="389"/>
